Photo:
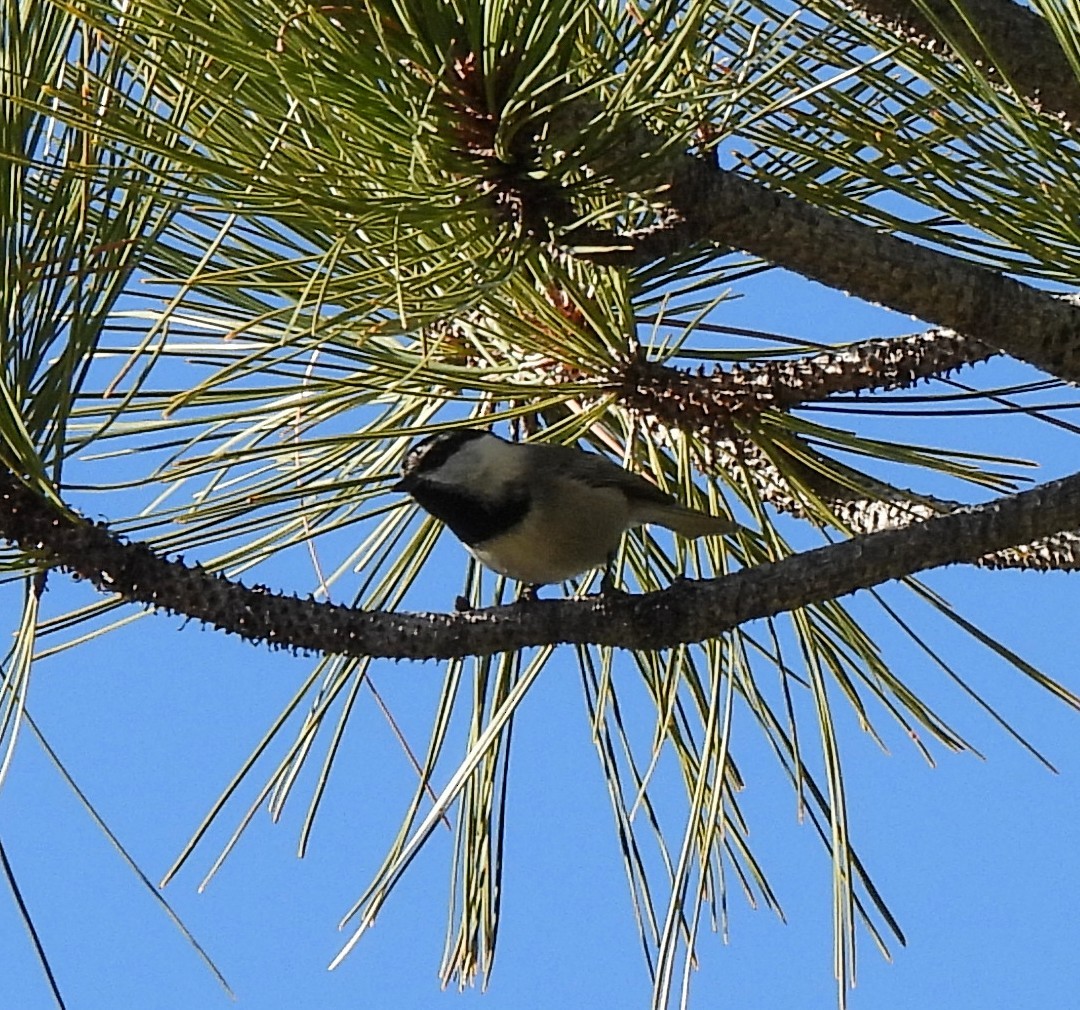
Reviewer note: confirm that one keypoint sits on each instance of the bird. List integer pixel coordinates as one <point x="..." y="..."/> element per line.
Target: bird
<point x="539" y="513"/>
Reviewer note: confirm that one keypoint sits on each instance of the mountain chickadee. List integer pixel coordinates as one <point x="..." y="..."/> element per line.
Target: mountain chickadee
<point x="538" y="513"/>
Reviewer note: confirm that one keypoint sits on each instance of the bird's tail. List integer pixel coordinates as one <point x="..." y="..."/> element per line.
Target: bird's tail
<point x="690" y="522"/>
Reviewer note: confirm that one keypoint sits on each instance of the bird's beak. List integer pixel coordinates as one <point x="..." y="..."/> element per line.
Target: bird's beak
<point x="406" y="484"/>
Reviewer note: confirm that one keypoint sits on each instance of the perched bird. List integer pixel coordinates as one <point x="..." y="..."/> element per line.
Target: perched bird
<point x="538" y="513"/>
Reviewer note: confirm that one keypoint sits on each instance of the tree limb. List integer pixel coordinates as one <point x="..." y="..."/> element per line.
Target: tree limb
<point x="719" y="205"/>
<point x="1016" y="46"/>
<point x="686" y="612"/>
<point x="712" y="404"/>
<point x="866" y="505"/>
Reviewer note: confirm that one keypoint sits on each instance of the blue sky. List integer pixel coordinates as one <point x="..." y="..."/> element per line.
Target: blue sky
<point x="978" y="859"/>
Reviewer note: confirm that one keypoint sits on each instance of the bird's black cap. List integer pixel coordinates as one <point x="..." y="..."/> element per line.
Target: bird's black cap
<point x="473" y="517"/>
<point x="431" y="452"/>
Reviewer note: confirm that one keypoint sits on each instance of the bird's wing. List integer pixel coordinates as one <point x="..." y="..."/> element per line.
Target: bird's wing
<point x="599" y="471"/>
<point x="647" y="503"/>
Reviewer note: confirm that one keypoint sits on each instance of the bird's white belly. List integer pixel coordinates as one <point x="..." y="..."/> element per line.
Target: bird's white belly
<point x="552" y="546"/>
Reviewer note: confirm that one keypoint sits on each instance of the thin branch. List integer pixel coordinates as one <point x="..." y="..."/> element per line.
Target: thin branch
<point x="718" y="205"/>
<point x="866" y="505"/>
<point x="713" y="403"/>
<point x="686" y="612"/>
<point x="1014" y="45"/>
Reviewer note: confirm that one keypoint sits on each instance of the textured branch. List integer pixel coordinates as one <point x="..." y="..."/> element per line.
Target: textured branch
<point x="711" y="404"/>
<point x="1017" y="46"/>
<point x="687" y="612"/>
<point x="721" y="206"/>
<point x="867" y="505"/>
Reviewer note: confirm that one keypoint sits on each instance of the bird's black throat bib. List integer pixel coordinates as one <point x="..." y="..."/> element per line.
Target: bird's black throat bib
<point x="471" y="519"/>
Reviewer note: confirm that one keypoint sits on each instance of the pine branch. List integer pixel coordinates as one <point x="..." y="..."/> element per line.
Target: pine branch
<point x="712" y="404"/>
<point x="865" y="505"/>
<point x="686" y="612"/>
<point x="1013" y="44"/>
<point x="719" y="205"/>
